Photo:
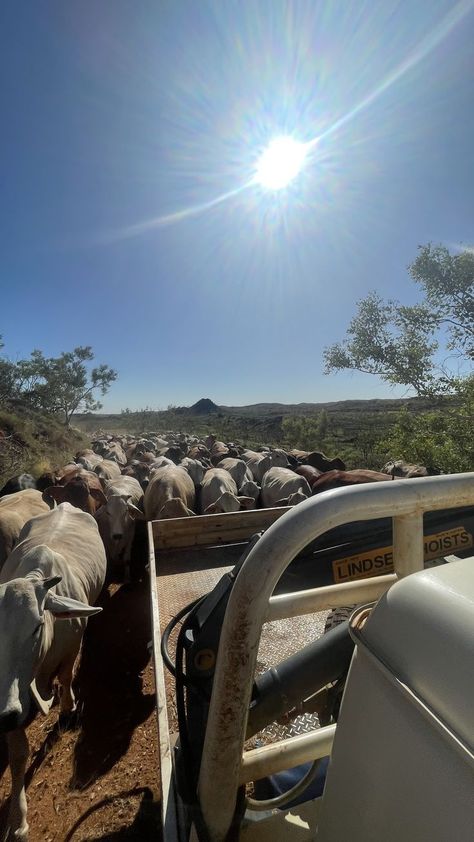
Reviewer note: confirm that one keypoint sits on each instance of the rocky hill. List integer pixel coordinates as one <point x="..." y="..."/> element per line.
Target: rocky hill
<point x="204" y="406"/>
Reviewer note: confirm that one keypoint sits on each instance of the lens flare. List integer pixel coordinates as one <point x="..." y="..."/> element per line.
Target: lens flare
<point x="280" y="163"/>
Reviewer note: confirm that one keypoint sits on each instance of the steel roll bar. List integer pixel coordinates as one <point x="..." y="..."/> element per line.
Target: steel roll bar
<point x="405" y="501"/>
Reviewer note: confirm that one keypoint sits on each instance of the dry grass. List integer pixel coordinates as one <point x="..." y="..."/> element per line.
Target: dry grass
<point x="33" y="442"/>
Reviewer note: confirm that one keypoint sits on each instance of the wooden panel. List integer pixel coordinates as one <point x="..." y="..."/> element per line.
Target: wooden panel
<point x="209" y="530"/>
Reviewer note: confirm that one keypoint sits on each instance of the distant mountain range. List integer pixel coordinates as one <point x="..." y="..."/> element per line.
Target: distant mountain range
<point x="205" y="406"/>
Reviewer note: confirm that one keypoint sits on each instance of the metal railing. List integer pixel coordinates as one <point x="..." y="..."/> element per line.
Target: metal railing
<point x="224" y="765"/>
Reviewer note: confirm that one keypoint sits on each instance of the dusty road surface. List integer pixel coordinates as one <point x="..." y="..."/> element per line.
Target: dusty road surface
<point x="99" y="781"/>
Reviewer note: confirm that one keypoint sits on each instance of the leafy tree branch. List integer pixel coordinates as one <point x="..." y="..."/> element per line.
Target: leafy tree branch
<point x="399" y="343"/>
<point x="61" y="385"/>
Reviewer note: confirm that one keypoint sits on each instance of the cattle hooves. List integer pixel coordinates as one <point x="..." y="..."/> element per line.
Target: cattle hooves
<point x="69" y="721"/>
<point x="20" y="835"/>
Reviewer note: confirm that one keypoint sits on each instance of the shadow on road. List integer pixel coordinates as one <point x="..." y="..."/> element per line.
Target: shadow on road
<point x="111" y="699"/>
<point x="146" y="824"/>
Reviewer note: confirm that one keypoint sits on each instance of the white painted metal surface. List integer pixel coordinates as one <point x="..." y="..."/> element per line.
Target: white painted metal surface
<point x="248" y="607"/>
<point x="408" y="543"/>
<point x="329" y="596"/>
<point x="405" y="750"/>
<point x="292" y="752"/>
<point x="168" y="801"/>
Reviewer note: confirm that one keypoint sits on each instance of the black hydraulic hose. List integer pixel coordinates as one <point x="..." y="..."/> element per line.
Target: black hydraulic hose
<point x="187" y="761"/>
<point x="185" y="747"/>
<point x="280" y="688"/>
<point x="290" y="794"/>
<point x="167" y="632"/>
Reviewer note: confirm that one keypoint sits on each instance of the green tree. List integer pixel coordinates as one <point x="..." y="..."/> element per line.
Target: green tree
<point x="323" y="422"/>
<point x="8" y="378"/>
<point x="307" y="432"/>
<point x="439" y="439"/>
<point x="61" y="385"/>
<point x="401" y="344"/>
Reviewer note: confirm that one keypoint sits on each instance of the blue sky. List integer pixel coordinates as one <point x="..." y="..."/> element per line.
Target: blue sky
<point x="119" y="115"/>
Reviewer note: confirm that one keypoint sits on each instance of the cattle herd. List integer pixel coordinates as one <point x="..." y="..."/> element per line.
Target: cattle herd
<point x="59" y="532"/>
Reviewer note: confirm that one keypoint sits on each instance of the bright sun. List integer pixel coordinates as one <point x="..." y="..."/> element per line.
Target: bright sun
<point x="280" y="163"/>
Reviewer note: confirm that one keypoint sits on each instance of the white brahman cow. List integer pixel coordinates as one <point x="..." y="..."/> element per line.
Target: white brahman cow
<point x="249" y="488"/>
<point x="107" y="469"/>
<point x="282" y="487"/>
<point x="260" y="463"/>
<point x="115" y="452"/>
<point x="59" y="550"/>
<point x="88" y="455"/>
<point x="219" y="493"/>
<point x="160" y="462"/>
<point x="116" y="519"/>
<point x="170" y="493"/>
<point x="194" y="468"/>
<point x="238" y="469"/>
<point x="15" y="510"/>
<point x="89" y="460"/>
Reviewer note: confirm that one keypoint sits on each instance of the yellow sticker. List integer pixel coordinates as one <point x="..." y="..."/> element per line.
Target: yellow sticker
<point x="380" y="561"/>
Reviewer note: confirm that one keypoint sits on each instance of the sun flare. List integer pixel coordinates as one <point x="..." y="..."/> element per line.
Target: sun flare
<point x="280" y="162"/>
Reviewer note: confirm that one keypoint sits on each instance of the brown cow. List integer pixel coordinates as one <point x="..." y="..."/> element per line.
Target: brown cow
<point x="15" y="510"/>
<point x="340" y="479"/>
<point x="199" y="452"/>
<point x="139" y="470"/>
<point x="67" y="472"/>
<point x="45" y="480"/>
<point x="148" y="457"/>
<point x="175" y="452"/>
<point x="309" y="473"/>
<point x="83" y="490"/>
<point x="322" y="462"/>
<point x="219" y="451"/>
<point x="86" y="452"/>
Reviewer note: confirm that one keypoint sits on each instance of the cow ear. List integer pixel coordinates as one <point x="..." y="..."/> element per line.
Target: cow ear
<point x="51" y="582"/>
<point x="55" y="493"/>
<point x="98" y="495"/>
<point x="42" y="586"/>
<point x="135" y="512"/>
<point x="246" y="502"/>
<point x="65" y="608"/>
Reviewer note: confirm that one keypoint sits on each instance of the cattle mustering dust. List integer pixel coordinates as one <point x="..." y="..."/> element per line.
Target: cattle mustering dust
<point x="72" y="544"/>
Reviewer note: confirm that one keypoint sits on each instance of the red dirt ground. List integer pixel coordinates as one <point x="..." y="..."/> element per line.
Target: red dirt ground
<point x="101" y="780"/>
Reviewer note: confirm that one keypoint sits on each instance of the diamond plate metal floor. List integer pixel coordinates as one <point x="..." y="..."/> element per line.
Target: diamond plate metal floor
<point x="182" y="576"/>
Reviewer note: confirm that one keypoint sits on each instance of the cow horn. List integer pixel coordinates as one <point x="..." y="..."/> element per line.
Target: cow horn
<point x="51" y="582"/>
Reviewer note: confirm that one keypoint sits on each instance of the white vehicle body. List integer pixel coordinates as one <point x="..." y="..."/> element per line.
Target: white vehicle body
<point x="420" y="655"/>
